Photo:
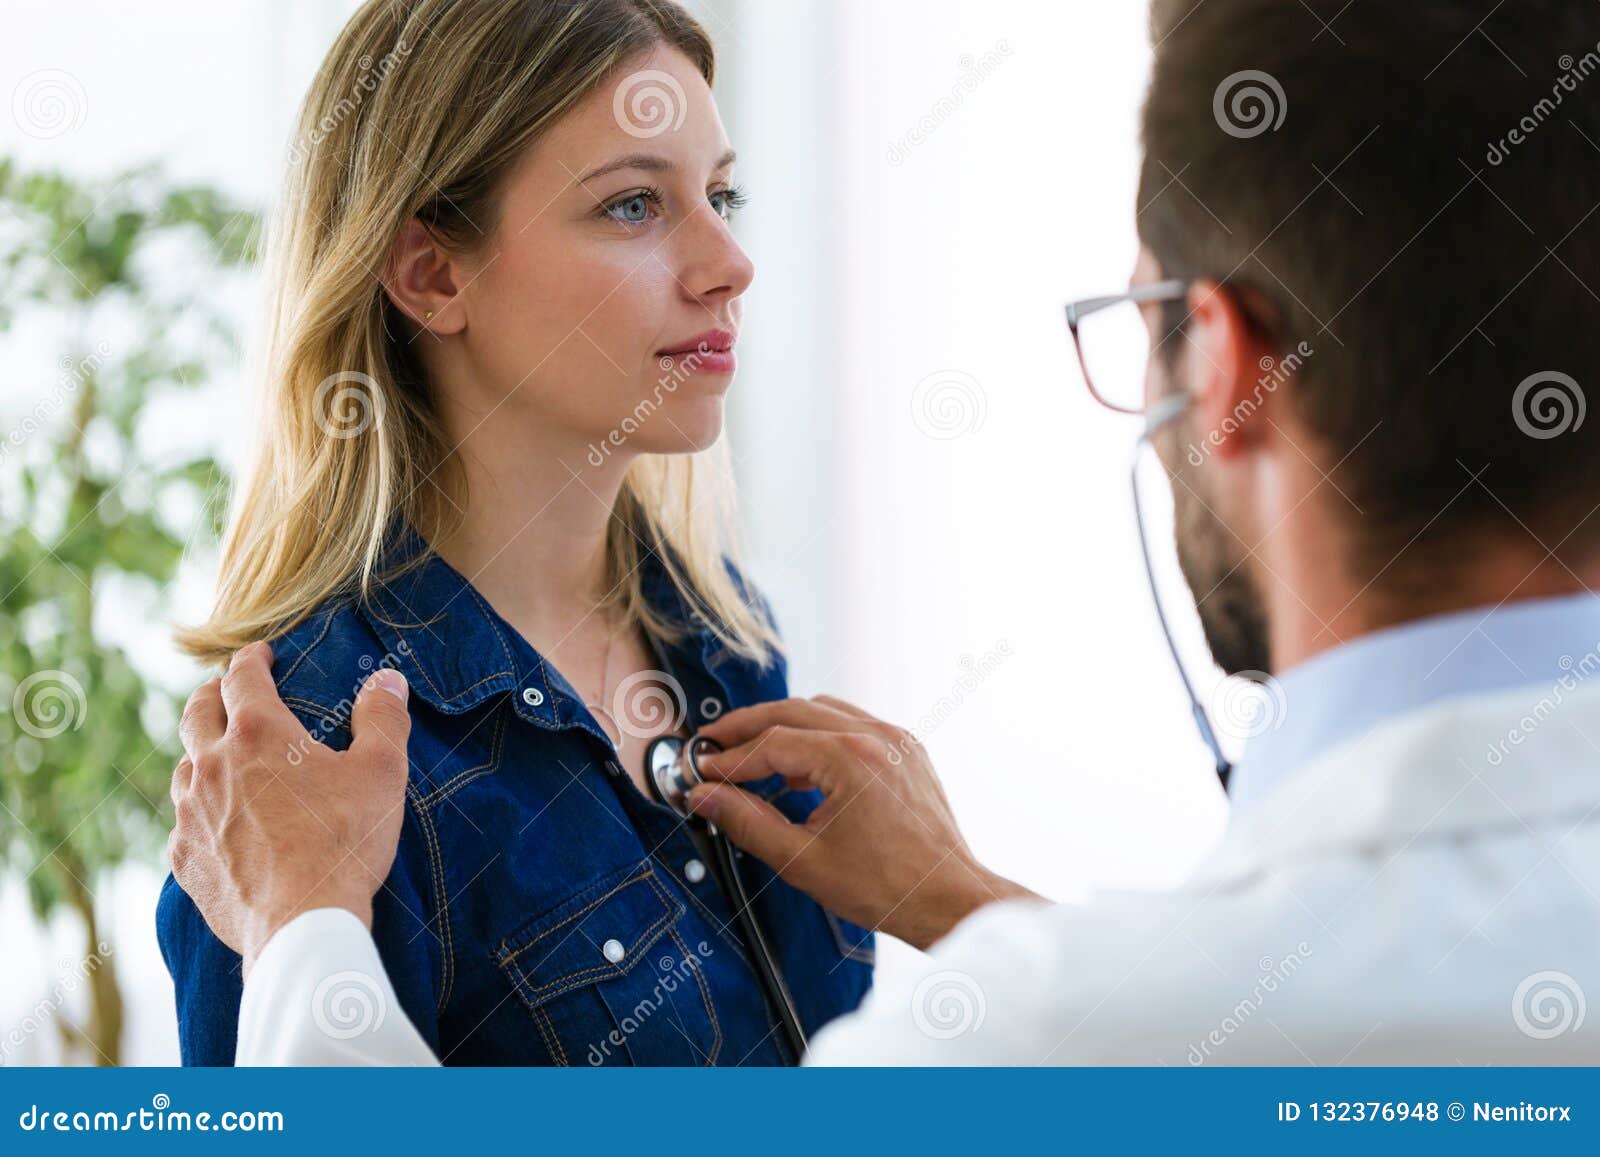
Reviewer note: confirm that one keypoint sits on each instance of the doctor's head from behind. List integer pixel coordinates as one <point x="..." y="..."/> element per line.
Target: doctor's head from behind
<point x="1373" y="269"/>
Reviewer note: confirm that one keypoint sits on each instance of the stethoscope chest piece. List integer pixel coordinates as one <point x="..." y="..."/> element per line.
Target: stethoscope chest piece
<point x="672" y="767"/>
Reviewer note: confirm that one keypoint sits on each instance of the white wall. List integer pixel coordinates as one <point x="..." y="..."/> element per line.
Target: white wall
<point x="932" y="532"/>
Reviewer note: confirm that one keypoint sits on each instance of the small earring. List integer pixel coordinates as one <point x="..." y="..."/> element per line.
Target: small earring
<point x="427" y="315"/>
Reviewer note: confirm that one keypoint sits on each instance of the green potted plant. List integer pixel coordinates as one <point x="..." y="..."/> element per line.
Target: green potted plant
<point x="93" y="525"/>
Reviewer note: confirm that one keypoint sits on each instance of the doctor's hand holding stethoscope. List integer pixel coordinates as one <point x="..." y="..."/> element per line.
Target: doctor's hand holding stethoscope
<point x="882" y="850"/>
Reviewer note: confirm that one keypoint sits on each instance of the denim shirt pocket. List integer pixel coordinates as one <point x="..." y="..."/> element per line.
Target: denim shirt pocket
<point x="608" y="978"/>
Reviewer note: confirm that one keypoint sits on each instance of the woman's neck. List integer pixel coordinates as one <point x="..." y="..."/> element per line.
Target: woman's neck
<point x="532" y="539"/>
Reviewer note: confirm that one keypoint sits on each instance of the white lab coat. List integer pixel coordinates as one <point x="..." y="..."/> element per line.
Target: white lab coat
<point x="1427" y="893"/>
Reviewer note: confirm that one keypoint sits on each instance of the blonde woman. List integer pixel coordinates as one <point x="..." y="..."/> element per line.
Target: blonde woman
<point x="507" y="305"/>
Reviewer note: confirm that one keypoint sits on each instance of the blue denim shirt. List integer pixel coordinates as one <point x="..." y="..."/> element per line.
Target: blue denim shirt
<point x="541" y="909"/>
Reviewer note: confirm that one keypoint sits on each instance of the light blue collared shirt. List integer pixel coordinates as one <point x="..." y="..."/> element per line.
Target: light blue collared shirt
<point x="1345" y="692"/>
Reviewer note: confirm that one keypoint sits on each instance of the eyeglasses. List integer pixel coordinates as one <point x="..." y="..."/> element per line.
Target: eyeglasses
<point x="1114" y="347"/>
<point x="1114" y="342"/>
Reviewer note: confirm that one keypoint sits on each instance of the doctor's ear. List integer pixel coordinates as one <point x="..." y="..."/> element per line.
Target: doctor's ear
<point x="424" y="280"/>
<point x="1228" y="355"/>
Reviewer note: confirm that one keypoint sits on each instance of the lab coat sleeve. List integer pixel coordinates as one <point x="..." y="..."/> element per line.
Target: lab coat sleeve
<point x="1117" y="978"/>
<point x="318" y="995"/>
<point x="976" y="1001"/>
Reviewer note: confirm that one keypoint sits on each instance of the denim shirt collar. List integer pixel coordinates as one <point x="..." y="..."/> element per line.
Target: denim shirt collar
<point x="456" y="652"/>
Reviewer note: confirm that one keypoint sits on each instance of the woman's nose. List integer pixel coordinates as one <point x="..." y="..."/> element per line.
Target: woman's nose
<point x="714" y="263"/>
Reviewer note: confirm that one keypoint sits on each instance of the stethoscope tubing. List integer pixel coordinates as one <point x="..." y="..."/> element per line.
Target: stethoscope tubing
<point x="668" y="787"/>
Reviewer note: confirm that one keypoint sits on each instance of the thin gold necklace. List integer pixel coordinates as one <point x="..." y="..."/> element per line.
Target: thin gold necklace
<point x="601" y="712"/>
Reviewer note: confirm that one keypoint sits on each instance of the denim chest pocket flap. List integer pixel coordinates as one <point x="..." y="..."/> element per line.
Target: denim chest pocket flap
<point x="599" y="934"/>
<point x="588" y="973"/>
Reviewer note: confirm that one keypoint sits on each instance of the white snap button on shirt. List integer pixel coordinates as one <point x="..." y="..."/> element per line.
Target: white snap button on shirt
<point x="532" y="696"/>
<point x="694" y="871"/>
<point x="613" y="951"/>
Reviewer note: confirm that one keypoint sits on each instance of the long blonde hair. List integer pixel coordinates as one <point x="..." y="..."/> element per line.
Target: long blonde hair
<point x="420" y="109"/>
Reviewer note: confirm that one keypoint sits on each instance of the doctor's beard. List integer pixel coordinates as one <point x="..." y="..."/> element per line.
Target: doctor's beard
<point x="1212" y="560"/>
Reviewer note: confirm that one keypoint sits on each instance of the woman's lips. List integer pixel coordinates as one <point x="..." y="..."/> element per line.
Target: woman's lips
<point x="709" y="353"/>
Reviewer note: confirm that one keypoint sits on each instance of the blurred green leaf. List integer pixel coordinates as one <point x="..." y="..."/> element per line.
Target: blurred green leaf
<point x="83" y="782"/>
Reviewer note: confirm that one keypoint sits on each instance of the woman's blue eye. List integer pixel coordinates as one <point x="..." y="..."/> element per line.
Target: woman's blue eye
<point x="727" y="201"/>
<point x="633" y="211"/>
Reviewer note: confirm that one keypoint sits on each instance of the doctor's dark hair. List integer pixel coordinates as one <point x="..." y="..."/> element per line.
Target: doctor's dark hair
<point x="1414" y="190"/>
<point x="421" y="109"/>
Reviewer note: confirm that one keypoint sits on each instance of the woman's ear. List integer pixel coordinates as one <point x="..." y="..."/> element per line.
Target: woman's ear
<point x="424" y="281"/>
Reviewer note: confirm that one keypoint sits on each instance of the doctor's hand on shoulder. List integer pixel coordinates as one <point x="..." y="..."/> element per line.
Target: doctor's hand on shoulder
<point x="270" y="823"/>
<point x="882" y="850"/>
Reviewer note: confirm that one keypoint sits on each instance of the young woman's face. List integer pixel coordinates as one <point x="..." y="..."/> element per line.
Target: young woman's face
<point x="607" y="304"/>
